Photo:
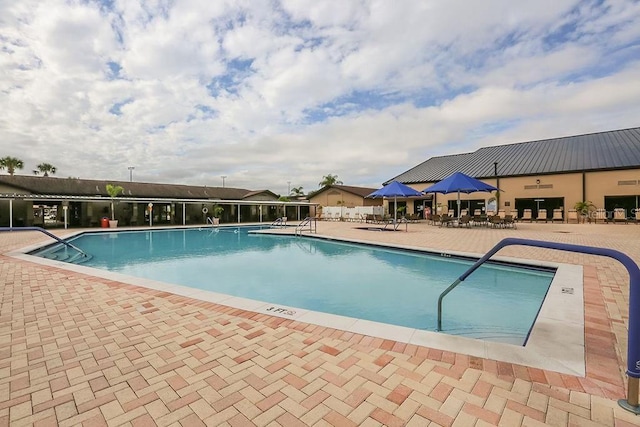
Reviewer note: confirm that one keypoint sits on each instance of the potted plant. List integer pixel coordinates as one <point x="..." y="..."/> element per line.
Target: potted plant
<point x="584" y="209"/>
<point x="217" y="211"/>
<point x="113" y="191"/>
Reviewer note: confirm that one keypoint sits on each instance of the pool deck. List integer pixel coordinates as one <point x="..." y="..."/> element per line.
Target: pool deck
<point x="77" y="349"/>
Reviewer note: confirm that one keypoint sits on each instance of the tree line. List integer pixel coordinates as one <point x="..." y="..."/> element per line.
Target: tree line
<point x="327" y="180"/>
<point x="11" y="164"/>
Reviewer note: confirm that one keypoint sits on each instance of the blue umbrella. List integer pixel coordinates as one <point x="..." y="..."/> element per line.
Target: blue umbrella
<point x="395" y="189"/>
<point x="460" y="183"/>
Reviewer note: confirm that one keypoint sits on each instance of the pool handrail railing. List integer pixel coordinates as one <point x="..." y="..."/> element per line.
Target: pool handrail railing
<point x="311" y="221"/>
<point x="279" y="222"/>
<point x="632" y="403"/>
<point x="42" y="230"/>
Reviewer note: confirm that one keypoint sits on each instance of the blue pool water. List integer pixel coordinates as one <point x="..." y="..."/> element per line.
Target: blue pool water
<point x="497" y="302"/>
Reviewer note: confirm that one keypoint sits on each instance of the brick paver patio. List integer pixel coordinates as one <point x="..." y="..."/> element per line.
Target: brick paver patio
<point x="80" y="350"/>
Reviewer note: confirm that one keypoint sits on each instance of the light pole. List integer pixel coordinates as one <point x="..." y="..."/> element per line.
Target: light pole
<point x="223" y="178"/>
<point x="495" y="173"/>
<point x="131" y="168"/>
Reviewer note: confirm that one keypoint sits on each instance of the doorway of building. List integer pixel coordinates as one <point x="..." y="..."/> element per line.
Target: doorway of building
<point x="470" y="206"/>
<point x="628" y="203"/>
<point x="538" y="203"/>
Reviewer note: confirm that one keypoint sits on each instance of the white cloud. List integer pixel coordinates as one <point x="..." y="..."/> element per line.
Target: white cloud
<point x="266" y="92"/>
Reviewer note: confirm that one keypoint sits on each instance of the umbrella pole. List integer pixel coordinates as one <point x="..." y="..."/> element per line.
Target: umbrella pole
<point x="458" y="205"/>
<point x="395" y="209"/>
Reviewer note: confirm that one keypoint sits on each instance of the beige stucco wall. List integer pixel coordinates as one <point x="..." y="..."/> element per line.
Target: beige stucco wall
<point x="338" y="197"/>
<point x="567" y="186"/>
<point x="600" y="184"/>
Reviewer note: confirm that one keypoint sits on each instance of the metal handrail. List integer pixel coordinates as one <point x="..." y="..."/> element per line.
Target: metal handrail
<point x="279" y="221"/>
<point x="311" y="221"/>
<point x="42" y="230"/>
<point x="631" y="404"/>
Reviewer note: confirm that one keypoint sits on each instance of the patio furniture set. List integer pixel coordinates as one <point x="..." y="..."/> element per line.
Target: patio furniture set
<point x="492" y="221"/>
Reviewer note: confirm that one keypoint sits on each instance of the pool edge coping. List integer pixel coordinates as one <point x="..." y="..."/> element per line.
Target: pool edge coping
<point x="549" y="347"/>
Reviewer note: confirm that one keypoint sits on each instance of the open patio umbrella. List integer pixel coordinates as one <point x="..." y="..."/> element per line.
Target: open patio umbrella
<point x="395" y="189"/>
<point x="459" y="183"/>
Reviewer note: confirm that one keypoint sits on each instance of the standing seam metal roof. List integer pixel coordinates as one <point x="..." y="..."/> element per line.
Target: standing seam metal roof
<point x="618" y="149"/>
<point x="86" y="187"/>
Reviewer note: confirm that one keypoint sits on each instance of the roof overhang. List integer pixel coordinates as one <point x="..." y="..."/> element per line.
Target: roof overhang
<point x="95" y="199"/>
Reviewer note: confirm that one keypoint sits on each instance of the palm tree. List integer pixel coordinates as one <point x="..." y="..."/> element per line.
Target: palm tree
<point x="330" y="180"/>
<point x="11" y="164"/>
<point x="45" y="168"/>
<point x="113" y="191"/>
<point x="297" y="191"/>
<point x="584" y="209"/>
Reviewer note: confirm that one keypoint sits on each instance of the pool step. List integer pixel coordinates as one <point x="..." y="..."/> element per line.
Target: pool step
<point x="496" y="334"/>
<point x="79" y="258"/>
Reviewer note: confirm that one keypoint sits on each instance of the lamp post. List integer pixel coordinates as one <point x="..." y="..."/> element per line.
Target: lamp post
<point x="223" y="178"/>
<point x="131" y="168"/>
<point x="495" y="173"/>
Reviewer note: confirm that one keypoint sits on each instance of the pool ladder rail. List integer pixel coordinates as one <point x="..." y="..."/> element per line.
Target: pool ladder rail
<point x="309" y="221"/>
<point x="53" y="236"/>
<point x="632" y="402"/>
<point x="279" y="222"/>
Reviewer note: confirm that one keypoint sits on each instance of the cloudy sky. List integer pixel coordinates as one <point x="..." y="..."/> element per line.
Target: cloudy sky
<point x="277" y="94"/>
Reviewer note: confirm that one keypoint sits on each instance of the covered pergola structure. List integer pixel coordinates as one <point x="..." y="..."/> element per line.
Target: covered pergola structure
<point x="88" y="211"/>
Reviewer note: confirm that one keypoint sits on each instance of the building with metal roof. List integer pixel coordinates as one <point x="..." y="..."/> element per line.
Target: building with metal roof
<point x="602" y="168"/>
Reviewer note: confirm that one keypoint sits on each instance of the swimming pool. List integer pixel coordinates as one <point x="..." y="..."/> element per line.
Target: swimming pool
<point x="497" y="303"/>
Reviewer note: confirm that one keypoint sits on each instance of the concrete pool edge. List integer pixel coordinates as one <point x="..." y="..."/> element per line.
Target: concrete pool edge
<point x="556" y="343"/>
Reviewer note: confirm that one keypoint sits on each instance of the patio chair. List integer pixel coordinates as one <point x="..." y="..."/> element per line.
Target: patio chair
<point x="496" y="222"/>
<point x="509" y="221"/>
<point x="464" y="212"/>
<point x="413" y="217"/>
<point x="542" y="215"/>
<point x="601" y="215"/>
<point x="501" y="213"/>
<point x="557" y="216"/>
<point x="526" y="215"/>
<point x="479" y="220"/>
<point x="620" y="215"/>
<point x="446" y="220"/>
<point x="464" y="221"/>
<point x="572" y="215"/>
